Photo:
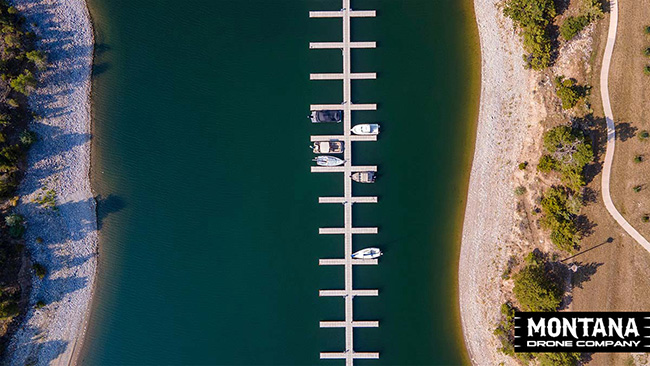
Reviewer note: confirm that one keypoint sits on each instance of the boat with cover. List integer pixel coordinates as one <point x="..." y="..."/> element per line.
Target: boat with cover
<point x="326" y="116"/>
<point x="328" y="147"/>
<point x="366" y="129"/>
<point x="368" y="253"/>
<point x="326" y="160"/>
<point x="364" y="177"/>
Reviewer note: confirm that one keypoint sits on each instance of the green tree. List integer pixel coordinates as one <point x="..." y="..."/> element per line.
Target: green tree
<point x="573" y="25"/>
<point x="23" y="82"/>
<point x="558" y="359"/>
<point x="569" y="91"/>
<point x="535" y="290"/>
<point x="38" y="58"/>
<point x="533" y="18"/>
<point x="569" y="151"/>
<point x="16" y="226"/>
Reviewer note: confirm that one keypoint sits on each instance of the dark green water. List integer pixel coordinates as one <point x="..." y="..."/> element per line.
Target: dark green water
<point x="209" y="216"/>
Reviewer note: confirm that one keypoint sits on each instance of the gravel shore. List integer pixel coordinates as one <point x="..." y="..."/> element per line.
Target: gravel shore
<point x="59" y="161"/>
<point x="490" y="215"/>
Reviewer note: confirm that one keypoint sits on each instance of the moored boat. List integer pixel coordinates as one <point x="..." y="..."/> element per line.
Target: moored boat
<point x="364" y="177"/>
<point x="367" y="253"/>
<point x="326" y="160"/>
<point x="326" y="116"/>
<point x="328" y="147"/>
<point x="366" y="129"/>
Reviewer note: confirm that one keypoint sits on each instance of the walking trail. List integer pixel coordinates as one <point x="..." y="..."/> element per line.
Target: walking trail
<point x="611" y="131"/>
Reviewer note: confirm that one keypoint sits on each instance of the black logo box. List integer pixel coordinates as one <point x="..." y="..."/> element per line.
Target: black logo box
<point x="532" y="339"/>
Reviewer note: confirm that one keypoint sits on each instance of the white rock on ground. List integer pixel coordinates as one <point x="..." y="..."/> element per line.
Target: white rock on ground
<point x="60" y="160"/>
<point x="490" y="211"/>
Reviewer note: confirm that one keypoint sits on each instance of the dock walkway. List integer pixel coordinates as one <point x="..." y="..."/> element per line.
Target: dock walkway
<point x="348" y="293"/>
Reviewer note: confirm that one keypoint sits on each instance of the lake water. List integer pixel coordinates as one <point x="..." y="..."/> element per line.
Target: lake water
<point x="208" y="212"/>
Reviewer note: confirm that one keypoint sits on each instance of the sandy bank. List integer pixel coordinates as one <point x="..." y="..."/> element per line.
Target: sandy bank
<point x="60" y="160"/>
<point x="490" y="212"/>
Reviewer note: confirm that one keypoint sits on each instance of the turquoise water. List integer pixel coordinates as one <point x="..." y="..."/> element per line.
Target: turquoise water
<point x="209" y="215"/>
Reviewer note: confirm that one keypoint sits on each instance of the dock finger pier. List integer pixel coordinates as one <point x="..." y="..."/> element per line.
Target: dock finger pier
<point x="347" y="137"/>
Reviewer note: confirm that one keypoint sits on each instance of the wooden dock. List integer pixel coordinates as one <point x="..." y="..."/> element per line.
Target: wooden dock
<point x="348" y="200"/>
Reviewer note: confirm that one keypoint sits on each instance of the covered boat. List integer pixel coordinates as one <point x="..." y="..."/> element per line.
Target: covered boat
<point x="366" y="129"/>
<point x="364" y="177"/>
<point x="326" y="160"/>
<point x="326" y="116"/>
<point x="367" y="253"/>
<point x="328" y="147"/>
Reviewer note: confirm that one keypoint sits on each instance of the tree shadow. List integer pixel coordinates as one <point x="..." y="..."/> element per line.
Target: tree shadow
<point x="625" y="131"/>
<point x="107" y="206"/>
<point x="585" y="226"/>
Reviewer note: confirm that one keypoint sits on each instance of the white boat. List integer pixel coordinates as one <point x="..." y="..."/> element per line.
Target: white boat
<point x="366" y="129"/>
<point x="364" y="177"/>
<point x="368" y="253"/>
<point x="326" y="160"/>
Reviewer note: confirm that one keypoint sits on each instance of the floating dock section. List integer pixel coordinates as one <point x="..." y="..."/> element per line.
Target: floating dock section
<point x="347" y="106"/>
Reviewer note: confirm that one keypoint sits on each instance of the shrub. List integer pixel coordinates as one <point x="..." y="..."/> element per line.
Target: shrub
<point x="533" y="17"/>
<point x="644" y="135"/>
<point x="558" y="359"/>
<point x="16" y="225"/>
<point x="645" y="218"/>
<point x="13" y="103"/>
<point x="523" y="165"/>
<point x="12" y="40"/>
<point x="569" y="91"/>
<point x="38" y="58"/>
<point x="569" y="151"/>
<point x="573" y="25"/>
<point x="646" y="70"/>
<point x="27" y="138"/>
<point x="647" y="51"/>
<point x="39" y="240"/>
<point x="637" y="189"/>
<point x="39" y="304"/>
<point x="39" y="270"/>
<point x="546" y="163"/>
<point x="560" y="210"/>
<point x="535" y="290"/>
<point x="647" y="29"/>
<point x="12" y="10"/>
<point x="8" y="309"/>
<point x="638" y="159"/>
<point x="23" y="82"/>
<point x="520" y="190"/>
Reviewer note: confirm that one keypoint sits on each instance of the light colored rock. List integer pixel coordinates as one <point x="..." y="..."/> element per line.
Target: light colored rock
<point x="60" y="160"/>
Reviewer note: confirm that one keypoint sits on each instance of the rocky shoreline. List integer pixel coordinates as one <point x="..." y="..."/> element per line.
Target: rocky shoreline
<point x="490" y="214"/>
<point x="64" y="238"/>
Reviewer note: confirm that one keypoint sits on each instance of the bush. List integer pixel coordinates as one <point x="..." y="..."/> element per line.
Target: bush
<point x="569" y="151"/>
<point x="520" y="190"/>
<point x="573" y="25"/>
<point x="8" y="309"/>
<point x="638" y="159"/>
<point x="39" y="304"/>
<point x="546" y="163"/>
<point x="645" y="218"/>
<point x="569" y="91"/>
<point x="637" y="189"/>
<point x="16" y="225"/>
<point x="646" y="52"/>
<point x="27" y="138"/>
<point x="523" y="165"/>
<point x="644" y="135"/>
<point x="646" y="70"/>
<point x="23" y="82"/>
<point x="533" y="17"/>
<point x="647" y="29"/>
<point x="558" y="359"/>
<point x="39" y="270"/>
<point x="38" y="58"/>
<point x="560" y="210"/>
<point x="535" y="290"/>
